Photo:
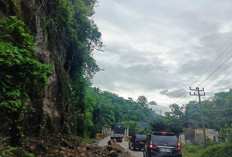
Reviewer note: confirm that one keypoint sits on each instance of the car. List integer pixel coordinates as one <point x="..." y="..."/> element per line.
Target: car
<point x="137" y="142"/>
<point x="162" y="144"/>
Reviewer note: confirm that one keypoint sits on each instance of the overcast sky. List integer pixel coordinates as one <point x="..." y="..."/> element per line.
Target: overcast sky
<point x="158" y="48"/>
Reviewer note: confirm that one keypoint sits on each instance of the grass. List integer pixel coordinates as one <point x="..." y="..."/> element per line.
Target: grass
<point x="87" y="140"/>
<point x="191" y="151"/>
<point x="212" y="150"/>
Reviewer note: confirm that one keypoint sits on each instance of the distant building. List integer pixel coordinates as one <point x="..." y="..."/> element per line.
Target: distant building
<point x="191" y="136"/>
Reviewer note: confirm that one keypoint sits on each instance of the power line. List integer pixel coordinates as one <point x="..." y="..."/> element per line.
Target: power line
<point x="211" y="65"/>
<point x="213" y="73"/>
<point x="217" y="77"/>
<point x="217" y="58"/>
<point x="215" y="70"/>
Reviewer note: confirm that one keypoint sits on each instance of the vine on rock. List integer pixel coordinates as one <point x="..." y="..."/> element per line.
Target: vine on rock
<point x="19" y="70"/>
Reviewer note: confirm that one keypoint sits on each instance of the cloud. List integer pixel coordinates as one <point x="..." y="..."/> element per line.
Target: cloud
<point x="158" y="48"/>
<point x="142" y="69"/>
<point x="179" y="93"/>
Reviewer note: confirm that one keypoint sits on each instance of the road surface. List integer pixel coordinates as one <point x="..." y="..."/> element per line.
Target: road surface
<point x="124" y="144"/>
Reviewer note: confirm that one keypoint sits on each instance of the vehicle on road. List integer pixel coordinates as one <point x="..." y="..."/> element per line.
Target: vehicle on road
<point x="162" y="144"/>
<point x="137" y="142"/>
<point x="118" y="132"/>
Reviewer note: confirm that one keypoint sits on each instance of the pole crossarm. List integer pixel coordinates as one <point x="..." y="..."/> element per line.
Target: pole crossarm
<point x="195" y="94"/>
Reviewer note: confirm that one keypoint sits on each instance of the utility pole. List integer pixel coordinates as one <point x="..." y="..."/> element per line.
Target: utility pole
<point x="199" y="93"/>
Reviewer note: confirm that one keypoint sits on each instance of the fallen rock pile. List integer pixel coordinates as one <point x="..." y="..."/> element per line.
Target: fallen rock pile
<point x="68" y="146"/>
<point x="116" y="150"/>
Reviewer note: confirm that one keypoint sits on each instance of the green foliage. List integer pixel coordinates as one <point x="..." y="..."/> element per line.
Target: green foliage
<point x="220" y="150"/>
<point x="18" y="72"/>
<point x="70" y="30"/>
<point x="217" y="114"/>
<point x="109" y="108"/>
<point x="16" y="152"/>
<point x="13" y="31"/>
<point x="133" y="126"/>
<point x="152" y="103"/>
<point x="217" y="150"/>
<point x="192" y="115"/>
<point x="176" y="111"/>
<point x="145" y="132"/>
<point x="191" y="150"/>
<point x="10" y="7"/>
<point x="68" y="24"/>
<point x="159" y="125"/>
<point x="168" y="123"/>
<point x="142" y="100"/>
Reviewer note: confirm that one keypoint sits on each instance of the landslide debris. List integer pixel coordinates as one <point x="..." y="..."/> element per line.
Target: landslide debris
<point x="71" y="146"/>
<point x="116" y="150"/>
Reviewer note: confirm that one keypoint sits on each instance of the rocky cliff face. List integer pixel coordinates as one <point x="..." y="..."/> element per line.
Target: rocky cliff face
<point x="49" y="106"/>
<point x="65" y="37"/>
<point x="45" y="106"/>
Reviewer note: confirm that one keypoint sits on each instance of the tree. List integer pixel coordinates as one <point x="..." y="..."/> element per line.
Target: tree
<point x="133" y="126"/>
<point x="152" y="103"/>
<point x="159" y="125"/>
<point x="109" y="108"/>
<point x="130" y="99"/>
<point x="177" y="111"/>
<point x="142" y="100"/>
<point x="170" y="124"/>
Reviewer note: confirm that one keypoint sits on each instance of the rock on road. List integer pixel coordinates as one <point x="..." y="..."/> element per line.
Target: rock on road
<point x="124" y="144"/>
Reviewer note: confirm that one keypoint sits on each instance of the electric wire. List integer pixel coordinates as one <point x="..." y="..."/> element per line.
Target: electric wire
<point x="211" y="65"/>
<point x="217" y="77"/>
<point x="223" y="79"/>
<point x="215" y="70"/>
<point x="217" y="58"/>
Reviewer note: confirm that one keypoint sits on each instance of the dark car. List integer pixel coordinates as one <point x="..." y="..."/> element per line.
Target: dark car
<point x="137" y="142"/>
<point x="162" y="144"/>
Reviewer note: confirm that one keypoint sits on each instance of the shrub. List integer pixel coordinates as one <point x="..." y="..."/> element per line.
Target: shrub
<point x="16" y="152"/>
<point x="220" y="150"/>
<point x="192" y="148"/>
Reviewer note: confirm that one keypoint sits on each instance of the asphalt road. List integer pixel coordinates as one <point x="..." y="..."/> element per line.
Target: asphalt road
<point x="124" y="144"/>
<point x="137" y="153"/>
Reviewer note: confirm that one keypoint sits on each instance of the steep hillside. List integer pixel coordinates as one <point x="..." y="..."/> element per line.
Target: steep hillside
<point x="46" y="65"/>
<point x="64" y="37"/>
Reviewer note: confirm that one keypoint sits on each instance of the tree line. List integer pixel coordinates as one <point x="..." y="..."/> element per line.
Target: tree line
<point x="109" y="108"/>
<point x="217" y="114"/>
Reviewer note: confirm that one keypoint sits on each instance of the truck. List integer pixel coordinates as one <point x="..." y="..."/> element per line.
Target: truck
<point x="118" y="132"/>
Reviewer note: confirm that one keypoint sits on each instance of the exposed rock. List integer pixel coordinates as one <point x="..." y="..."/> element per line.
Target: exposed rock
<point x="112" y="153"/>
<point x="67" y="143"/>
<point x="112" y="145"/>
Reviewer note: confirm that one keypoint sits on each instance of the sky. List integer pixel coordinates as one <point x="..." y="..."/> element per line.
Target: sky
<point x="159" y="48"/>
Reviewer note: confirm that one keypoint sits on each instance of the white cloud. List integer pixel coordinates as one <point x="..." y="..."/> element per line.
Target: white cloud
<point x="152" y="46"/>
